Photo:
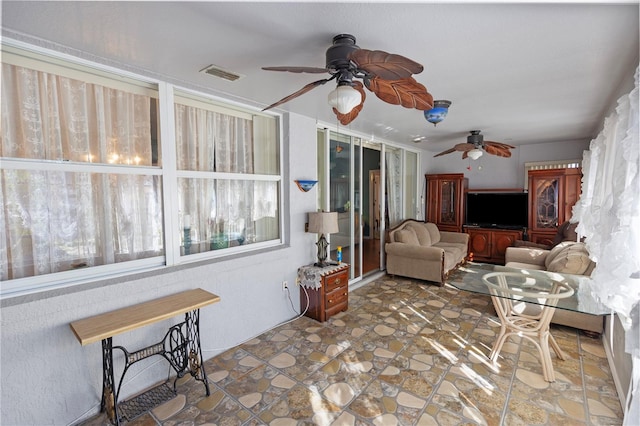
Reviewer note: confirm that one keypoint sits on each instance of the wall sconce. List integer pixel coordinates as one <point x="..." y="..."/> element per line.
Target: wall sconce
<point x="305" y="185"/>
<point x="438" y="112"/>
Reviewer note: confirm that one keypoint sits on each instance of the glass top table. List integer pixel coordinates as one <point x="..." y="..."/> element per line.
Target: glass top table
<point x="468" y="277"/>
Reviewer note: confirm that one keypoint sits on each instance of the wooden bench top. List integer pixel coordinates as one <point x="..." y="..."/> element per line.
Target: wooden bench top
<point x="109" y="324"/>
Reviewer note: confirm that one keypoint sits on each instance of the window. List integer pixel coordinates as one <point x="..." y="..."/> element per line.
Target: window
<point x="82" y="184"/>
<point x="228" y="168"/>
<point x="79" y="186"/>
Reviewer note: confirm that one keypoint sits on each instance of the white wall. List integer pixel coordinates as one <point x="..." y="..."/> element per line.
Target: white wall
<point x="48" y="378"/>
<point x="490" y="171"/>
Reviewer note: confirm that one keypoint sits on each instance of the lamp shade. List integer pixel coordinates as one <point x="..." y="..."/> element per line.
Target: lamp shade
<point x="475" y="153"/>
<point x="438" y="112"/>
<point x="323" y="222"/>
<point x="344" y="98"/>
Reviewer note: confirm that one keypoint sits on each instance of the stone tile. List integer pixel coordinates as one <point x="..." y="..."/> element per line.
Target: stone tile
<point x="405" y="353"/>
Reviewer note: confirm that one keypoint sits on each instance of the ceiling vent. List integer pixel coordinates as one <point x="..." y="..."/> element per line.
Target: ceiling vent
<point x="216" y="71"/>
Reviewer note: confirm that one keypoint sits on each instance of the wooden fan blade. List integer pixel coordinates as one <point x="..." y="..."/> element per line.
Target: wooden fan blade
<point x="351" y="115"/>
<point x="465" y="147"/>
<point x="311" y="70"/>
<point x="387" y="66"/>
<point x="500" y="144"/>
<point x="497" y="151"/>
<point x="302" y="91"/>
<point x="406" y="92"/>
<point x="497" y="148"/>
<point x="448" y="151"/>
<point x="494" y="150"/>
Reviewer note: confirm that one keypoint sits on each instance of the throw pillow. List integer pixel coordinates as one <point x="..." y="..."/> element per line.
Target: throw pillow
<point x="421" y="232"/>
<point x="554" y="252"/>
<point x="406" y="236"/>
<point x="572" y="259"/>
<point x="434" y="232"/>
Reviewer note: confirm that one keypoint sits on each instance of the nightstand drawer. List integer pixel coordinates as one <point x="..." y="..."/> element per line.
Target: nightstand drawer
<point x="336" y="297"/>
<point x="336" y="280"/>
<point x="331" y="311"/>
<point x="327" y="289"/>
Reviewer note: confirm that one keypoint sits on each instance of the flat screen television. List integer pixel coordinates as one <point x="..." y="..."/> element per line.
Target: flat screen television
<point x="497" y="209"/>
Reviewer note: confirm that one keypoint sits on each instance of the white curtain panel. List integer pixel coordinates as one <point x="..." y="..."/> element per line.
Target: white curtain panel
<point x="58" y="220"/>
<point x="215" y="142"/>
<point x="394" y="186"/>
<point x="608" y="213"/>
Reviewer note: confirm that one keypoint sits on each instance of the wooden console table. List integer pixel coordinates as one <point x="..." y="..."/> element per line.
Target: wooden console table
<point x="490" y="244"/>
<point x="180" y="347"/>
<point x="327" y="288"/>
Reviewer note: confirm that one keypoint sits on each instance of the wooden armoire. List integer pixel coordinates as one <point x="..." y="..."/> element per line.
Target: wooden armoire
<point x="552" y="195"/>
<point x="444" y="203"/>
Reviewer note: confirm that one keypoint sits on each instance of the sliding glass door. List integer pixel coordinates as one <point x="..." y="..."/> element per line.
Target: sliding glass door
<point x="344" y="161"/>
<point x="370" y="186"/>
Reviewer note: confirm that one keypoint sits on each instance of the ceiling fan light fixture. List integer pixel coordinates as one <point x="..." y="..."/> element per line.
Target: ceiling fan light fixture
<point x="438" y="112"/>
<point x="475" y="153"/>
<point x="344" y="98"/>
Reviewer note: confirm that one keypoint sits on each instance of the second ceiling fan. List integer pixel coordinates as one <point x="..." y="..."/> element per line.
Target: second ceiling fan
<point x="475" y="144"/>
<point x="387" y="75"/>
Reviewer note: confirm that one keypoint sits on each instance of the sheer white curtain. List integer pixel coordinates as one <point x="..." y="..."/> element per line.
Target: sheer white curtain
<point x="54" y="220"/>
<point x="609" y="216"/>
<point x="210" y="141"/>
<point x="394" y="185"/>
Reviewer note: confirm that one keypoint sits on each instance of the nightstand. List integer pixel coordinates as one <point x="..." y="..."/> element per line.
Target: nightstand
<point x="328" y="290"/>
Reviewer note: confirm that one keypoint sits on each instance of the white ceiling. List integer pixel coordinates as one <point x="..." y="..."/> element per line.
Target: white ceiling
<point x="522" y="73"/>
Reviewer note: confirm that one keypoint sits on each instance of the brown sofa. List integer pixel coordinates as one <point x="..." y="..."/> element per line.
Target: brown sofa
<point x="420" y="250"/>
<point x="567" y="258"/>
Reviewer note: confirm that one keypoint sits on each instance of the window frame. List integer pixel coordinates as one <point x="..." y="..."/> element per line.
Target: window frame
<point x="212" y="103"/>
<point x="42" y="59"/>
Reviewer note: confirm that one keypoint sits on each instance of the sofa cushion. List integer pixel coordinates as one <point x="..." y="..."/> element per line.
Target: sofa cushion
<point x="434" y="232"/>
<point x="531" y="244"/>
<point x="555" y="252"/>
<point x="519" y="265"/>
<point x="572" y="259"/>
<point x="421" y="232"/>
<point x="407" y="236"/>
<point x="459" y="251"/>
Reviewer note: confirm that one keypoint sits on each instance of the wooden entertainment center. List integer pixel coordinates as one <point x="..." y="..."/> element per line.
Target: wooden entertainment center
<point x="490" y="244"/>
<point x="551" y="196"/>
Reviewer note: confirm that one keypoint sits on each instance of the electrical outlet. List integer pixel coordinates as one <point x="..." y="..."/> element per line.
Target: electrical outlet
<point x="285" y="285"/>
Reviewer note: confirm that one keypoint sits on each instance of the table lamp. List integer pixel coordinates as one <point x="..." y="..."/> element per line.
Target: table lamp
<point x="323" y="223"/>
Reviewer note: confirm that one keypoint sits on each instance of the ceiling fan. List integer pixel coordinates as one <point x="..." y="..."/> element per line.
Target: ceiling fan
<point x="475" y="141"/>
<point x="387" y="75"/>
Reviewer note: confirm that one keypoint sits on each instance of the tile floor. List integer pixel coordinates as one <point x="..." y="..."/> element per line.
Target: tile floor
<point x="405" y="353"/>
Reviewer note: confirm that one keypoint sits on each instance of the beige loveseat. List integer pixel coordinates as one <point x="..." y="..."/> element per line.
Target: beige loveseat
<point x="570" y="258"/>
<point x="420" y="250"/>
